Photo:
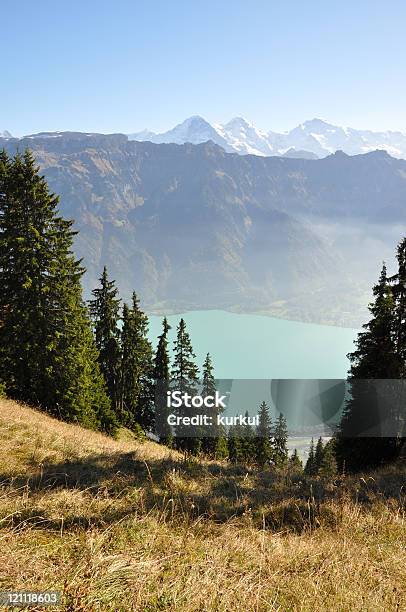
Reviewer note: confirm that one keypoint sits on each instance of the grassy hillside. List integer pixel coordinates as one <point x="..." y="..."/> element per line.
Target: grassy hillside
<point x="126" y="525"/>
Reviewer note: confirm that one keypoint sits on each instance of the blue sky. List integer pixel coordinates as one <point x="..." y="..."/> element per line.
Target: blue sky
<point x="124" y="65"/>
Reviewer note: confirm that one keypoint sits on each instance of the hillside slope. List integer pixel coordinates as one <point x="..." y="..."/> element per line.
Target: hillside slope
<point x="30" y="438"/>
<point x="121" y="525"/>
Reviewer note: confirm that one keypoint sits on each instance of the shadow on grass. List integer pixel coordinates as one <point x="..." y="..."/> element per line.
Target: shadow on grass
<point x="187" y="490"/>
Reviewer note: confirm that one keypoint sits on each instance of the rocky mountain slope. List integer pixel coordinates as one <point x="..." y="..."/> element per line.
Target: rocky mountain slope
<point x="191" y="226"/>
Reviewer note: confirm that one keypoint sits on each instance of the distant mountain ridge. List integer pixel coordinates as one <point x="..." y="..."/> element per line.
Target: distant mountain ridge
<point x="312" y="139"/>
<point x="193" y="227"/>
<point x="316" y="137"/>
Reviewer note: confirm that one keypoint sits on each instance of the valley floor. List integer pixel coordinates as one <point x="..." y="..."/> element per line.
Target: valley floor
<point x="126" y="525"/>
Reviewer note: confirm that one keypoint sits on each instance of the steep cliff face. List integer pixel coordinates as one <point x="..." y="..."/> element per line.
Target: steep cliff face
<point x="191" y="226"/>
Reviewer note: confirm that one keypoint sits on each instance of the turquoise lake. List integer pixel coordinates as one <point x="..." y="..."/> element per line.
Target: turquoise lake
<point x="255" y="346"/>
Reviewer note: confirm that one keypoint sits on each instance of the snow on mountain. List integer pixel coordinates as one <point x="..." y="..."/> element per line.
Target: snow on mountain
<point x="311" y="139"/>
<point x="194" y="130"/>
<point x="235" y="136"/>
<point x="316" y="137"/>
<point x="245" y="138"/>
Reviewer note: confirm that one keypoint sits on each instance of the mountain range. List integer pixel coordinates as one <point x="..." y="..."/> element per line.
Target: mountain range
<point x="315" y="137"/>
<point x="310" y="140"/>
<point x="194" y="227"/>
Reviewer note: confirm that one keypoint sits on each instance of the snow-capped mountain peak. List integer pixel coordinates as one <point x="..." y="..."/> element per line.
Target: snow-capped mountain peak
<point x="244" y="137"/>
<point x="238" y="123"/>
<point x="315" y="136"/>
<point x="194" y="129"/>
<point x="316" y="123"/>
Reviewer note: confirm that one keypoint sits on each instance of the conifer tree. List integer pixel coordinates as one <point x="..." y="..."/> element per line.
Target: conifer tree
<point x="280" y="438"/>
<point x="161" y="385"/>
<point x="295" y="463"/>
<point x="398" y="284"/>
<point x="137" y="383"/>
<point x="185" y="379"/>
<point x="398" y="411"/>
<point x="360" y="440"/>
<point x="214" y="444"/>
<point x="48" y="356"/>
<point x="328" y="466"/>
<point x="235" y="444"/>
<point x="221" y="450"/>
<point x="310" y="467"/>
<point x="208" y="443"/>
<point x="5" y="163"/>
<point x="126" y="396"/>
<point x="248" y="441"/>
<point x="263" y="439"/>
<point x="233" y="447"/>
<point x="318" y="455"/>
<point x="104" y="310"/>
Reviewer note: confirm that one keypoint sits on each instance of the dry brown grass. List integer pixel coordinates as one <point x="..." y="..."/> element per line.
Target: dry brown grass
<point x="24" y="429"/>
<point x="124" y="525"/>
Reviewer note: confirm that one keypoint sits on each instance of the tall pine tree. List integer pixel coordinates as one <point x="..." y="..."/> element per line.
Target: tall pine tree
<point x="263" y="439"/>
<point x="48" y="356"/>
<point x="361" y="441"/>
<point x="162" y="385"/>
<point x="318" y="455"/>
<point x="185" y="379"/>
<point x="137" y="383"/>
<point x="248" y="441"/>
<point x="295" y="463"/>
<point x="214" y="445"/>
<point x="328" y="465"/>
<point x="280" y="438"/>
<point x="398" y="412"/>
<point x="310" y="467"/>
<point x="104" y="309"/>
